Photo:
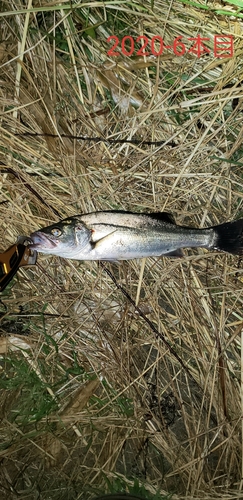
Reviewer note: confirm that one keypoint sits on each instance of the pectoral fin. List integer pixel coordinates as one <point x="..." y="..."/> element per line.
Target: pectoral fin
<point x="103" y="248"/>
<point x="96" y="243"/>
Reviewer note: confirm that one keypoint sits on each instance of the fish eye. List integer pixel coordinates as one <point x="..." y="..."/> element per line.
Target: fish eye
<point x="56" y="232"/>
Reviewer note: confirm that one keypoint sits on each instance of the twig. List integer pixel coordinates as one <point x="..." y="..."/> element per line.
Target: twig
<point x="101" y="139"/>
<point x="10" y="170"/>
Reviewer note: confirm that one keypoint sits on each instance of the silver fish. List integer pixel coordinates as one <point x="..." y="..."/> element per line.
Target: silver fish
<point x="118" y="235"/>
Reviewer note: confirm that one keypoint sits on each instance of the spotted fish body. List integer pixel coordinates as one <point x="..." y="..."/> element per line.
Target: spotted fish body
<point x="117" y="235"/>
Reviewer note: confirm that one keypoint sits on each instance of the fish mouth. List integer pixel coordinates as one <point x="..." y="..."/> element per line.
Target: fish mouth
<point x="39" y="241"/>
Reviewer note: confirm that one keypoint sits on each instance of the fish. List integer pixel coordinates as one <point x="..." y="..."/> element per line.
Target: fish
<point x="119" y="235"/>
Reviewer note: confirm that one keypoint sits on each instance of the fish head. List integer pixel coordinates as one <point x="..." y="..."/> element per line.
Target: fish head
<point x="65" y="238"/>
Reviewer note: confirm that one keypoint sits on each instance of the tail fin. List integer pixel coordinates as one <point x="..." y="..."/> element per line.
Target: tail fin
<point x="229" y="237"/>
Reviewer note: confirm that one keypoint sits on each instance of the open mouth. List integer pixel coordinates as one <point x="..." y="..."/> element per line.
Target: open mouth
<point x="40" y="241"/>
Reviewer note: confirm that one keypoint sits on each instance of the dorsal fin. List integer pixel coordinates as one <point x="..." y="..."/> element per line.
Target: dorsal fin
<point x="163" y="216"/>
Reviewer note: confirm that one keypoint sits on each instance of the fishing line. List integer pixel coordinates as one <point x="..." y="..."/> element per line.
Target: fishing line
<point x="99" y="139"/>
<point x="147" y="320"/>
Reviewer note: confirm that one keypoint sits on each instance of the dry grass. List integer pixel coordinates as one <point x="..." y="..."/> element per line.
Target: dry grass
<point x="92" y="399"/>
